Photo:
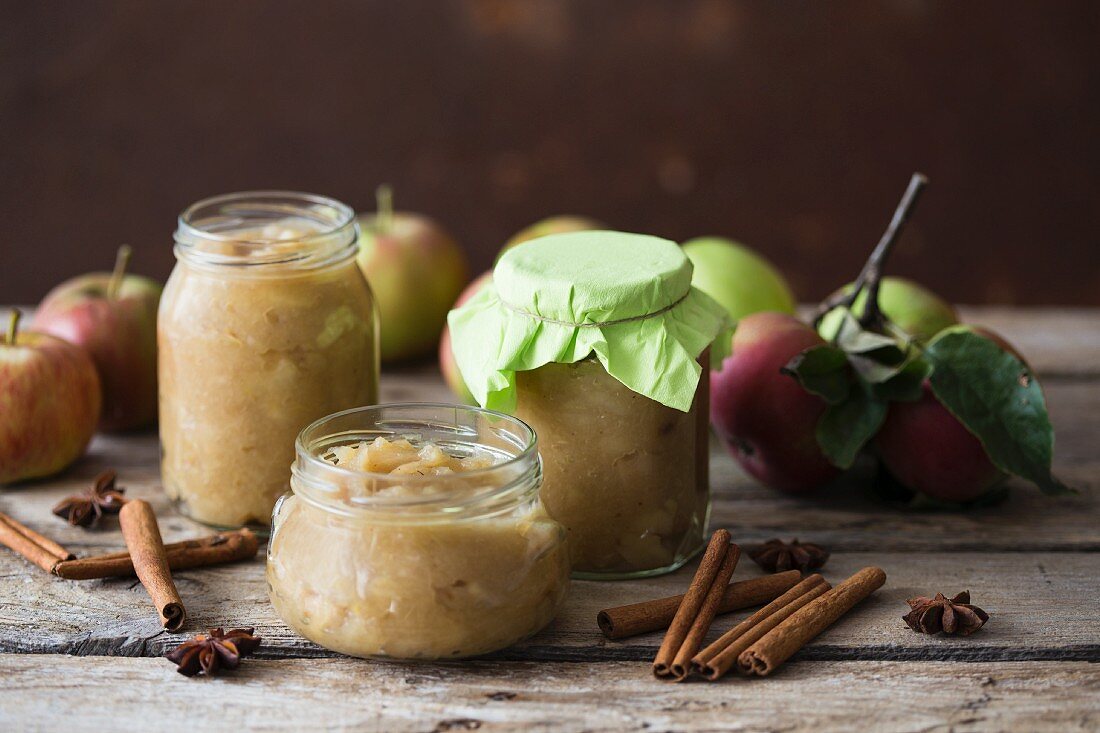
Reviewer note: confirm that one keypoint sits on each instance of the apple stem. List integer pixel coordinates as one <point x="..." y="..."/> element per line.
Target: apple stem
<point x="383" y="195"/>
<point x="122" y="261"/>
<point x="871" y="275"/>
<point x="13" y="325"/>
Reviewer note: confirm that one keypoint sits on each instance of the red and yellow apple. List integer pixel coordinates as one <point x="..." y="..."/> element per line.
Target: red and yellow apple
<point x="415" y="270"/>
<point x="49" y="403"/>
<point x="112" y="316"/>
<point x="764" y="416"/>
<point x="447" y="364"/>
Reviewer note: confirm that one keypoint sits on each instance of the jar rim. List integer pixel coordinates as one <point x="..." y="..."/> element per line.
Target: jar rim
<point x="335" y="236"/>
<point x="518" y="467"/>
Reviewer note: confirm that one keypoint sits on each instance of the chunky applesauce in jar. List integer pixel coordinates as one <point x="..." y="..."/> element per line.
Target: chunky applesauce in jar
<point x="266" y="324"/>
<point x="416" y="532"/>
<point x="600" y="343"/>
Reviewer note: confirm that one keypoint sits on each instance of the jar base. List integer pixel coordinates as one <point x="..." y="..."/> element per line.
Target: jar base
<point x="637" y="574"/>
<point x="262" y="531"/>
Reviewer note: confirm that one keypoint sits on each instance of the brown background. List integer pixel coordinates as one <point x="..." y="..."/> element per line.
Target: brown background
<point x="792" y="126"/>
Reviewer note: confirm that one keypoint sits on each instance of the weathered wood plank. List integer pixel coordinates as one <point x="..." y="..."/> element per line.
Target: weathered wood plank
<point x="55" y="694"/>
<point x="1043" y="608"/>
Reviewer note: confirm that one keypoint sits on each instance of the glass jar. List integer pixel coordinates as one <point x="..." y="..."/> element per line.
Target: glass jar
<point x="599" y="341"/>
<point x="413" y="566"/>
<point x="627" y="476"/>
<point x="266" y="324"/>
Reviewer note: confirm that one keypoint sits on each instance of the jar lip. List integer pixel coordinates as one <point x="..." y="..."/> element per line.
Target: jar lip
<point x="345" y="215"/>
<point x="307" y="456"/>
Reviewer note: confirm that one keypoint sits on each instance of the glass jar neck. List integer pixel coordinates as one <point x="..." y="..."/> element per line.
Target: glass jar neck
<point x="269" y="229"/>
<point x="497" y="490"/>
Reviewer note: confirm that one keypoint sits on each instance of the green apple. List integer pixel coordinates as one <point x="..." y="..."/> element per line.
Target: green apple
<point x="551" y="225"/>
<point x="112" y="316"/>
<point x="415" y="270"/>
<point x="738" y="278"/>
<point x="49" y="402"/>
<point x="911" y="307"/>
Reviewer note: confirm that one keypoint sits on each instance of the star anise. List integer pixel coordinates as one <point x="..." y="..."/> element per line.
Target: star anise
<point x="951" y="616"/>
<point x="775" y="556"/>
<point x="209" y="652"/>
<point x="85" y="509"/>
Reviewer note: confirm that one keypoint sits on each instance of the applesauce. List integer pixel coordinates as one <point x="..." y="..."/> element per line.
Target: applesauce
<point x="416" y="532"/>
<point x="266" y="324"/>
<point x="627" y="476"/>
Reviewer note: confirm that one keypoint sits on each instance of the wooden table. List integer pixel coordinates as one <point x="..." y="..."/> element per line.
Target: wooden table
<point x="87" y="655"/>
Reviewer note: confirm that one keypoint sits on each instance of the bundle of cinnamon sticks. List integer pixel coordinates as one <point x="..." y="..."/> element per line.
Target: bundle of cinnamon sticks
<point x="147" y="556"/>
<point x="796" y="612"/>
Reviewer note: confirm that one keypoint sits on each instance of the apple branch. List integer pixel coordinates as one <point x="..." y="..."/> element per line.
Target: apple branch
<point x="871" y="274"/>
<point x="13" y="326"/>
<point x="122" y="261"/>
<point x="383" y="196"/>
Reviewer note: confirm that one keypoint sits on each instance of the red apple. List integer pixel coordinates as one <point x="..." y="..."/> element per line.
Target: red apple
<point x="415" y="270"/>
<point x="929" y="450"/>
<point x="49" y="403"/>
<point x="765" y="417"/>
<point x="112" y="316"/>
<point x="447" y="365"/>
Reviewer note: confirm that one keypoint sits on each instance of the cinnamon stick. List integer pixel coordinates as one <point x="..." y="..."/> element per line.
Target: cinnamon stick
<point x="639" y="618"/>
<point x="213" y="550"/>
<point x="681" y="665"/>
<point x="779" y="644"/>
<point x="717" y="659"/>
<point x="42" y="551"/>
<point x="150" y="559"/>
<point x="692" y="604"/>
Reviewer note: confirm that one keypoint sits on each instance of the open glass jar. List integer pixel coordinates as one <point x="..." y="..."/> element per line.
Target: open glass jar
<point x="601" y="344"/>
<point x="266" y="324"/>
<point x="410" y="562"/>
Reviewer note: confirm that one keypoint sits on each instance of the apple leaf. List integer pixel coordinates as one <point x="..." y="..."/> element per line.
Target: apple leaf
<point x="855" y="340"/>
<point x="846" y="427"/>
<point x="906" y="384"/>
<point x="823" y="371"/>
<point x="998" y="399"/>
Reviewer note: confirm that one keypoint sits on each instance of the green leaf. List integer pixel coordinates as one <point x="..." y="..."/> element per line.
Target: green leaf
<point x="855" y="340"/>
<point x="845" y="428"/>
<point x="997" y="398"/>
<point x="907" y="384"/>
<point x="823" y="371"/>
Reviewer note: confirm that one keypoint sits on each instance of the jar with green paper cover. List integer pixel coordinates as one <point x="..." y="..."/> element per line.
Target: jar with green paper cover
<point x="599" y="342"/>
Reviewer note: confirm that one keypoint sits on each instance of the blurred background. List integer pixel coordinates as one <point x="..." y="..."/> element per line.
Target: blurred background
<point x="792" y="126"/>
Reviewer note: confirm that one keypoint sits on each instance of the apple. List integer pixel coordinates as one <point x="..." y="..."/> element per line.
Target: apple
<point x="415" y="270"/>
<point x="929" y="450"/>
<point x="112" y="316"/>
<point x="551" y="225"/>
<point x="50" y="401"/>
<point x="764" y="416"/>
<point x="914" y="309"/>
<point x="738" y="278"/>
<point x="447" y="364"/>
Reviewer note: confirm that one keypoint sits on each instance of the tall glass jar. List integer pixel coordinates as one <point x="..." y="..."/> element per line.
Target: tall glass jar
<point x="628" y="476"/>
<point x="599" y="341"/>
<point x="266" y="324"/>
<point x="412" y="562"/>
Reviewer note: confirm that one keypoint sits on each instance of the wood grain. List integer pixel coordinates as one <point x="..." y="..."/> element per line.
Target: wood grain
<point x="340" y="694"/>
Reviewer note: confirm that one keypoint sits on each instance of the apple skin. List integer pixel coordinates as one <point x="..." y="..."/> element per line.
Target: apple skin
<point x="551" y="225"/>
<point x="415" y="270"/>
<point x="929" y="450"/>
<point x="447" y="364"/>
<point x="910" y="306"/>
<point x="926" y="448"/>
<point x="738" y="278"/>
<point x="50" y="401"/>
<point x="119" y="333"/>
<point x="765" y="418"/>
